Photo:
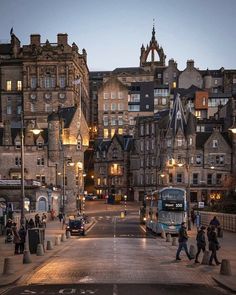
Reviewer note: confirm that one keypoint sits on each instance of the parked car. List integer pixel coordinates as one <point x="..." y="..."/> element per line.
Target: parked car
<point x="91" y="197"/>
<point x="76" y="226"/>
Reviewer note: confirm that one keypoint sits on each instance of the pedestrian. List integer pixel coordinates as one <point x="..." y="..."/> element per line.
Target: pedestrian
<point x="16" y="238"/>
<point x="216" y="223"/>
<point x="44" y="220"/>
<point x="31" y="223"/>
<point x="37" y="220"/>
<point x="214" y="245"/>
<point x="201" y="242"/>
<point x="183" y="239"/>
<point x="22" y="234"/>
<point x="198" y="221"/>
<point x="193" y="216"/>
<point x="60" y="216"/>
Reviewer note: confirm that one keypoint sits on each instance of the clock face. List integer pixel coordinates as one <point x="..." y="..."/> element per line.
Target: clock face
<point x="62" y="95"/>
<point x="47" y="95"/>
<point x="33" y="96"/>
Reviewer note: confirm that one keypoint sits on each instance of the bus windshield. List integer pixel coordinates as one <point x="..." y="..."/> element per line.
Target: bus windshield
<point x="172" y="199"/>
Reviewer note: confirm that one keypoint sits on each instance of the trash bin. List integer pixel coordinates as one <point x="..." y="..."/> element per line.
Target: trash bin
<point x="35" y="236"/>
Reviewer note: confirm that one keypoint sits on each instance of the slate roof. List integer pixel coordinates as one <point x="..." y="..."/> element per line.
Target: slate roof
<point x="67" y="115"/>
<point x="131" y="70"/>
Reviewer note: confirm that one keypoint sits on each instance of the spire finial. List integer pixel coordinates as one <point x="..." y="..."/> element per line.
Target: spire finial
<point x="153" y="30"/>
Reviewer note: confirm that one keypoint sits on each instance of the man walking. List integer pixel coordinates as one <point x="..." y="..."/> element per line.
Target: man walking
<point x="201" y="242"/>
<point x="183" y="239"/>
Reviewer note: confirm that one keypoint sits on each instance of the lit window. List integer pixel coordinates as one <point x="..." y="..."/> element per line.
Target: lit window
<point x="105" y="133"/>
<point x="120" y="131"/>
<point x="203" y="101"/>
<point x="19" y="85"/>
<point x="113" y="130"/>
<point x="8" y="85"/>
<point x="174" y="84"/>
<point x="99" y="181"/>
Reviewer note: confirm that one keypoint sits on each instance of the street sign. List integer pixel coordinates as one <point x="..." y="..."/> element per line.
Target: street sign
<point x="201" y="204"/>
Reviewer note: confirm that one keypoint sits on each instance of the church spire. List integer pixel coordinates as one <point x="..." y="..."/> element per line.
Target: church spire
<point x="153" y="32"/>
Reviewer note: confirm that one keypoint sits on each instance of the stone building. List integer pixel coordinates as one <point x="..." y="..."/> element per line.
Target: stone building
<point x="44" y="84"/>
<point x="170" y="151"/>
<point x="112" y="166"/>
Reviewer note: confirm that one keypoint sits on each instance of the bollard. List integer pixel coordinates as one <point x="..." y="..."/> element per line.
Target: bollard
<point x="8" y="267"/>
<point x="206" y="258"/>
<point x="63" y="237"/>
<point x="168" y="238"/>
<point x="40" y="251"/>
<point x="192" y="251"/>
<point x="174" y="241"/>
<point x="26" y="257"/>
<point x="225" y="268"/>
<point x="163" y="234"/>
<point x="57" y="241"/>
<point x="49" y="245"/>
<point x="68" y="234"/>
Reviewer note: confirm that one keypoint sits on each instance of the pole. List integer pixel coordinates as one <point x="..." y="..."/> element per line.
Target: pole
<point x="64" y="185"/>
<point x="22" y="219"/>
<point x="188" y="198"/>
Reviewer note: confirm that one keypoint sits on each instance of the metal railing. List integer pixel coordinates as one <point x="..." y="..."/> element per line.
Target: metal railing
<point x="227" y="221"/>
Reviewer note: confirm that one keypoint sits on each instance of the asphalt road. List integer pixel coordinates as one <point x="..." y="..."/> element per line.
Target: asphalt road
<point x="116" y="257"/>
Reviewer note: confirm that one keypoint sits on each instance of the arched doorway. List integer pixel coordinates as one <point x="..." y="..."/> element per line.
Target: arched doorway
<point x="42" y="204"/>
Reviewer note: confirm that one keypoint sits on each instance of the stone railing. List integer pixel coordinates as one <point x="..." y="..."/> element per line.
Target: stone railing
<point x="227" y="221"/>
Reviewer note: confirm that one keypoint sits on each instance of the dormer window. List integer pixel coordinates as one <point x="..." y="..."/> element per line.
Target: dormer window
<point x="79" y="143"/>
<point x="215" y="143"/>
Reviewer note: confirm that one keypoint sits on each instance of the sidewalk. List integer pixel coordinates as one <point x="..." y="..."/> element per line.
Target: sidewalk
<point x="227" y="251"/>
<point x="53" y="229"/>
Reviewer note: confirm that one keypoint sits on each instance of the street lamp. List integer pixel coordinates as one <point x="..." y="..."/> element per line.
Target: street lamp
<point x="36" y="131"/>
<point x="125" y="198"/>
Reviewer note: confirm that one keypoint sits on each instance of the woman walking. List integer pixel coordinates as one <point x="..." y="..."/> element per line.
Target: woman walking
<point x="201" y="242"/>
<point x="213" y="245"/>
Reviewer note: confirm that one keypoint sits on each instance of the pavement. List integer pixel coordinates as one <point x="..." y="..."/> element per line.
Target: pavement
<point x="54" y="228"/>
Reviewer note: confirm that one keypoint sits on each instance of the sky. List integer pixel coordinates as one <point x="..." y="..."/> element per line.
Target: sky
<point x="112" y="31"/>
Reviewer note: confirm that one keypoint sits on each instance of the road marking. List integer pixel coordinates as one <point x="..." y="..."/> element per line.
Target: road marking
<point x="115" y="290"/>
<point x="88" y="230"/>
<point x="143" y="229"/>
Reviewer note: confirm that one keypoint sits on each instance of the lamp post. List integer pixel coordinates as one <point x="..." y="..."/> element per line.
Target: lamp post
<point x="36" y="131"/>
<point x="125" y="198"/>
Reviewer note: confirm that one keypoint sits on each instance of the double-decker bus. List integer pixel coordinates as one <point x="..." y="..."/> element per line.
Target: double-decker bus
<point x="168" y="209"/>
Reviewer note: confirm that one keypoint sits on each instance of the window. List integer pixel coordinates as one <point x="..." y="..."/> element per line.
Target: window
<point x="147" y="106"/>
<point x="195" y="178"/>
<point x="19" y="85"/>
<point x="203" y="101"/>
<point x="9" y="110"/>
<point x="152" y="144"/>
<point x="141" y="162"/>
<point x="33" y="82"/>
<point x="218" y="178"/>
<point x="114" y="153"/>
<point x="48" y="107"/>
<point x="99" y="181"/>
<point x="62" y="81"/>
<point x="198" y="159"/>
<point x="97" y="155"/>
<point x="190" y="141"/>
<point x="174" y="84"/>
<point x="220" y="159"/>
<point x="159" y="75"/>
<point x="141" y="145"/>
<point x="134" y="108"/>
<point x="200" y="128"/>
<point x="113" y="95"/>
<point x="120" y="120"/>
<point x="179" y="141"/>
<point x="106" y="107"/>
<point x="43" y="178"/>
<point x="113" y="107"/>
<point x="113" y="121"/>
<point x="215" y="143"/>
<point x="168" y="143"/>
<point x="209" y="178"/>
<point x="131" y="121"/>
<point x="32" y="108"/>
<point x="147" y="145"/>
<point x="120" y="95"/>
<point x="134" y="97"/>
<point x="49" y="82"/>
<point x="113" y="130"/>
<point x="147" y="129"/>
<point x="120" y="106"/>
<point x="79" y="145"/>
<point x="179" y="177"/>
<point x="17" y="161"/>
<point x="105" y="120"/>
<point x="40" y="161"/>
<point x="19" y="109"/>
<point x="105" y="133"/>
<point x="8" y="85"/>
<point x="153" y="128"/>
<point x="170" y="177"/>
<point x="142" y="130"/>
<point x="163" y="101"/>
<point x="215" y="82"/>
<point x="120" y="131"/>
<point x="106" y="95"/>
<point x="198" y="114"/>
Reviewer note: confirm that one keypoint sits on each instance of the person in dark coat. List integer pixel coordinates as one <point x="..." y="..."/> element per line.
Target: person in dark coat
<point x="31" y="223"/>
<point x="183" y="239"/>
<point x="16" y="238"/>
<point x="201" y="242"/>
<point x="37" y="220"/>
<point x="22" y="234"/>
<point x="213" y="245"/>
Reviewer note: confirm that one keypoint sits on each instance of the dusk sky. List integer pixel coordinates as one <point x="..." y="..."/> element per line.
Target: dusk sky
<point x="112" y="31"/>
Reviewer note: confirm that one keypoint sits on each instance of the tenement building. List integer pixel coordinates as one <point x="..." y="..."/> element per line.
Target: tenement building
<point x="44" y="85"/>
